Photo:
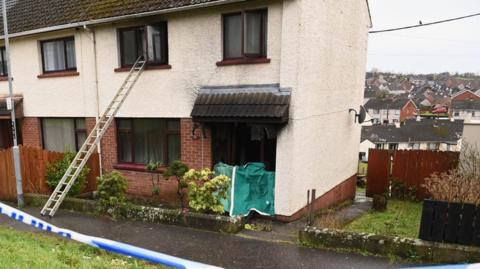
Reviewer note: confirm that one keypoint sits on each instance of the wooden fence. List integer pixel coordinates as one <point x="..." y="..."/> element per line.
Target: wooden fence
<point x="450" y="222"/>
<point x="34" y="164"/>
<point x="408" y="166"/>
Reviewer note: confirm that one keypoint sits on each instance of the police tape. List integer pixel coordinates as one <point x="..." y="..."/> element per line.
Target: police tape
<point x="459" y="266"/>
<point x="109" y="245"/>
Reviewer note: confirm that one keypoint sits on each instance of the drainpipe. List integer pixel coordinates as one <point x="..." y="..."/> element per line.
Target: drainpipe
<point x="97" y="93"/>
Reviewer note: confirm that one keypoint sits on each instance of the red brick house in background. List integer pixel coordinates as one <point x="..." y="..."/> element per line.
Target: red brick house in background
<point x="409" y="111"/>
<point x="465" y="95"/>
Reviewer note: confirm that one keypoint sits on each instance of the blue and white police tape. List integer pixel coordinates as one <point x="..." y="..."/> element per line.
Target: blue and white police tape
<point x="460" y="266"/>
<point x="102" y="243"/>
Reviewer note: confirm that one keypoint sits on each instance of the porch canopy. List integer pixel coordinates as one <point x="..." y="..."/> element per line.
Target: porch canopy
<point x="242" y="103"/>
<point x="5" y="113"/>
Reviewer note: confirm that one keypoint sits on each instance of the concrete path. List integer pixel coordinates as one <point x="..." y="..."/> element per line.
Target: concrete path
<point x="361" y="205"/>
<point x="228" y="251"/>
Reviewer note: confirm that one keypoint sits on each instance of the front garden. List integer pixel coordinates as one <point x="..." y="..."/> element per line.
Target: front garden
<point x="401" y="218"/>
<point x="201" y="195"/>
<point x="443" y="211"/>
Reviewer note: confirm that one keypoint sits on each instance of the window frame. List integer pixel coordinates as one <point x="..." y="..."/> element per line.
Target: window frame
<point x="138" y="39"/>
<point x="64" y="39"/>
<point x="131" y="133"/>
<point x="76" y="130"/>
<point x="3" y="52"/>
<point x="263" y="35"/>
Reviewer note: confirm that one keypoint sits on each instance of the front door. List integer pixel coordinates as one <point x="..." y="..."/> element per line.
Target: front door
<point x="6" y="140"/>
<point x="234" y="144"/>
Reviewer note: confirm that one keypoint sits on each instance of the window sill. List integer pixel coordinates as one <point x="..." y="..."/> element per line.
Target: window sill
<point x="4" y="78"/>
<point x="59" y="74"/>
<point x="147" y="68"/>
<point x="244" y="61"/>
<point x="138" y="168"/>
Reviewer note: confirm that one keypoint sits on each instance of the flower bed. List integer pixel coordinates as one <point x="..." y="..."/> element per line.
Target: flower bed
<point x="151" y="214"/>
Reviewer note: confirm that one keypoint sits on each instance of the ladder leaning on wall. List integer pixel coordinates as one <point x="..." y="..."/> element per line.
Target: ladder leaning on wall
<point x="92" y="140"/>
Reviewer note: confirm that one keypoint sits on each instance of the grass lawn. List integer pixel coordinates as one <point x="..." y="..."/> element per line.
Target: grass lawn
<point x="35" y="250"/>
<point x="402" y="218"/>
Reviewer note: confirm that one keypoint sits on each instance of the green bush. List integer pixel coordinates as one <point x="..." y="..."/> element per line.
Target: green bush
<point x="177" y="169"/>
<point x="204" y="192"/>
<point x="112" y="190"/>
<point x="55" y="172"/>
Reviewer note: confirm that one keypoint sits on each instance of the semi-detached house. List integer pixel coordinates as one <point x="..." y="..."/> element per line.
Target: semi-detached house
<point x="231" y="81"/>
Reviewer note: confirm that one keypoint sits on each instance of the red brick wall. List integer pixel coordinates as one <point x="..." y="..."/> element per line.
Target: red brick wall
<point x="140" y="183"/>
<point x="466" y="95"/>
<point x="196" y="151"/>
<point x="31" y="132"/>
<point x="342" y="192"/>
<point x="109" y="148"/>
<point x="409" y="111"/>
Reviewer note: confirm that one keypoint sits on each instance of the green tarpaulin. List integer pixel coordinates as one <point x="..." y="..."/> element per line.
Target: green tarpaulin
<point x="252" y="188"/>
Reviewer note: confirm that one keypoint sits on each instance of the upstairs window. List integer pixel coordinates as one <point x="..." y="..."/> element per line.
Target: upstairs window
<point x="3" y="62"/>
<point x="245" y="35"/>
<point x="59" y="55"/>
<point x="150" y="41"/>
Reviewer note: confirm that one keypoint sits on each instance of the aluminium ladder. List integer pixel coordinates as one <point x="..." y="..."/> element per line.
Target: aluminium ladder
<point x="92" y="140"/>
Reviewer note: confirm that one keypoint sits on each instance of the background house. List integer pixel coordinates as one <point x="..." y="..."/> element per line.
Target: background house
<point x="283" y="58"/>
<point x="426" y="134"/>
<point x="389" y="110"/>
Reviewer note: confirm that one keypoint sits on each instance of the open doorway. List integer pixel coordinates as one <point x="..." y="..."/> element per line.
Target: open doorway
<point x="242" y="143"/>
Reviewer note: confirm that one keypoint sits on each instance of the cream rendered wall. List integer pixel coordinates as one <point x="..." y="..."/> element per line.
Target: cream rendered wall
<point x="471" y="133"/>
<point x="195" y="45"/>
<point x="52" y="97"/>
<point x="324" y="46"/>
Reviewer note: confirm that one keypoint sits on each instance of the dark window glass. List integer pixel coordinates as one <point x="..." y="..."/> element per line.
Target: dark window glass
<point x="150" y="41"/>
<point x="148" y="140"/>
<point x="58" y="55"/>
<point x="62" y="135"/>
<point x="3" y="62"/>
<point x="245" y="34"/>
<point x="233" y="36"/>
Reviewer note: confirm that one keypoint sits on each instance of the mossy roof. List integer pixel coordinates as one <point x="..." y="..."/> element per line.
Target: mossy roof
<point x="28" y="15"/>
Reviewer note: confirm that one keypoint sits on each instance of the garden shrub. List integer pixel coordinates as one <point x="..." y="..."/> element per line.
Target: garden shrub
<point x="461" y="185"/>
<point x="401" y="191"/>
<point x="55" y="172"/>
<point x="152" y="167"/>
<point x="112" y="190"/>
<point x="177" y="170"/>
<point x="205" y="191"/>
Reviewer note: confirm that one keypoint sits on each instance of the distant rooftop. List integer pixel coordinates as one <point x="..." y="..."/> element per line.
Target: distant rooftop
<point x="382" y="103"/>
<point x="426" y="130"/>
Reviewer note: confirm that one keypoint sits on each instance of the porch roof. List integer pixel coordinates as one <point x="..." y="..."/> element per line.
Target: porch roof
<point x="5" y="113"/>
<point x="242" y="103"/>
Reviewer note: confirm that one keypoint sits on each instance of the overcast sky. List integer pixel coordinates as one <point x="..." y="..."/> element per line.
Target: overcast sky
<point x="452" y="46"/>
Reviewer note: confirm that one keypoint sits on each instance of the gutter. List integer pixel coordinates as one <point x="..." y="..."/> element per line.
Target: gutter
<point x="123" y="17"/>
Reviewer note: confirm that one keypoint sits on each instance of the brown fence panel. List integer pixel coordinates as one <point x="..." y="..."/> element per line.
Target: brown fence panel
<point x="8" y="188"/>
<point x="413" y="166"/>
<point x="378" y="171"/>
<point x="34" y="165"/>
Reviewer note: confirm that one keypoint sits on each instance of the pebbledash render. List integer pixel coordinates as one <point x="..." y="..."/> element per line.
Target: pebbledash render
<point x="227" y="81"/>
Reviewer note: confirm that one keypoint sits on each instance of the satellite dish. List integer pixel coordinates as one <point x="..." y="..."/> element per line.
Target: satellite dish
<point x="362" y="115"/>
